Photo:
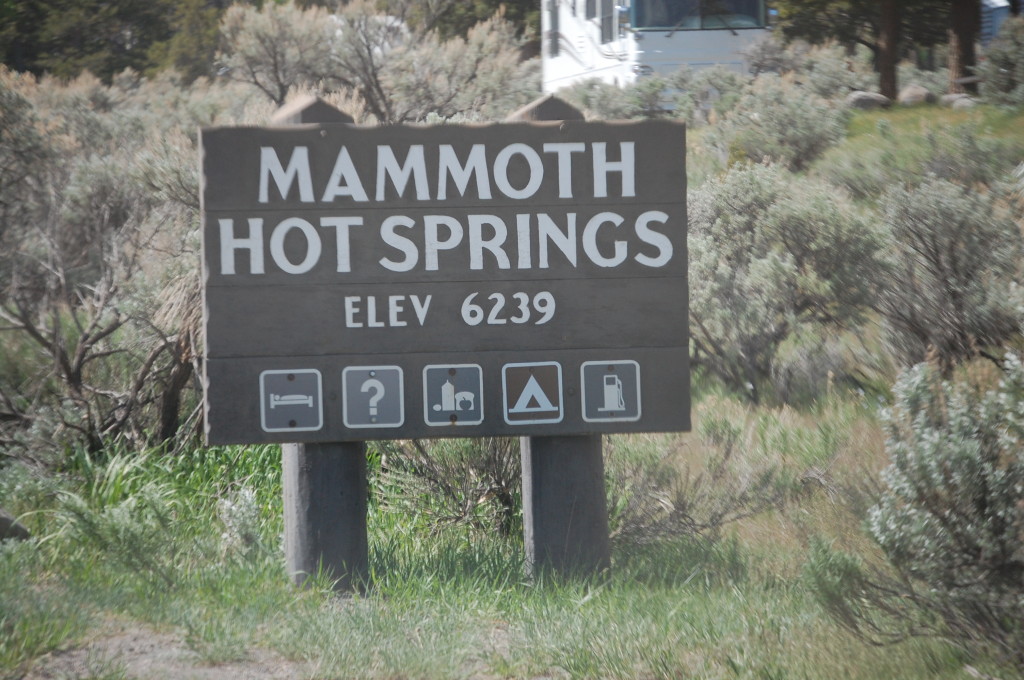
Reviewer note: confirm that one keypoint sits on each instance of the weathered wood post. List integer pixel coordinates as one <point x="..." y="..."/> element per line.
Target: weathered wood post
<point x="565" y="513"/>
<point x="325" y="512"/>
<point x="325" y="491"/>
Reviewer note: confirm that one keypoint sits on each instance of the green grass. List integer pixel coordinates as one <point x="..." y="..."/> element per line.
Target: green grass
<point x="452" y="601"/>
<point x="998" y="121"/>
<point x="899" y="145"/>
<point x="37" y="615"/>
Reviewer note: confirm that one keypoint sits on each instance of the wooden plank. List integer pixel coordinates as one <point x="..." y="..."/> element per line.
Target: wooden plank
<point x="270" y="321"/>
<point x="232" y="163"/>
<point x="537" y="242"/>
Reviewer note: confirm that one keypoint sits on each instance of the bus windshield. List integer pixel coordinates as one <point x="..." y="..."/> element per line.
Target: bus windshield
<point x="681" y="15"/>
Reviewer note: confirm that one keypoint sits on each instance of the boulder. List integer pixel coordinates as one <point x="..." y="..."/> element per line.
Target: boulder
<point x="965" y="103"/>
<point x="861" y="99"/>
<point x="10" y="528"/>
<point x="915" y="94"/>
<point x="950" y="100"/>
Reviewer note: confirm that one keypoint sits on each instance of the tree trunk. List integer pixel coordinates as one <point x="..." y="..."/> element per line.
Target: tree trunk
<point x="964" y="24"/>
<point x="177" y="380"/>
<point x="888" y="48"/>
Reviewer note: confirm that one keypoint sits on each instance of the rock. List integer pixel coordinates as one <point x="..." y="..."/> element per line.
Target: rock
<point x="915" y="94"/>
<point x="950" y="100"/>
<point x="965" y="103"/>
<point x="10" y="528"/>
<point x="861" y="99"/>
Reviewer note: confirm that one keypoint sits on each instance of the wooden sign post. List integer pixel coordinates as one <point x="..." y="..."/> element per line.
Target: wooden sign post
<point x="324" y="484"/>
<point x="565" y="512"/>
<point x="515" y="279"/>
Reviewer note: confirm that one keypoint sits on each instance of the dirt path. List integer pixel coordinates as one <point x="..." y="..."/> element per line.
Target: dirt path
<point x="140" y="653"/>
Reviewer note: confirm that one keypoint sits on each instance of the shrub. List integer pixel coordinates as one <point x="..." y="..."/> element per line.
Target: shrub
<point x="771" y="254"/>
<point x="603" y="101"/>
<point x="1002" y="71"/>
<point x="105" y="227"/>
<point x="480" y="75"/>
<point x="807" y="364"/>
<point x="470" y="481"/>
<point x="950" y="520"/>
<point x="693" y="96"/>
<point x="935" y="81"/>
<point x="951" y="285"/>
<point x="768" y="55"/>
<point x="278" y="47"/>
<point x="829" y="71"/>
<point x="399" y="75"/>
<point x="778" y="121"/>
<point x="706" y="94"/>
<point x="964" y="154"/>
<point x="654" y="497"/>
<point x="24" y="153"/>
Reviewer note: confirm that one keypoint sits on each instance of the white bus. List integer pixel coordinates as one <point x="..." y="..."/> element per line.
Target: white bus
<point x="620" y="42"/>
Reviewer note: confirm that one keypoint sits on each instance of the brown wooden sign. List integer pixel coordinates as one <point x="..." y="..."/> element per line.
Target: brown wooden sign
<point x="395" y="282"/>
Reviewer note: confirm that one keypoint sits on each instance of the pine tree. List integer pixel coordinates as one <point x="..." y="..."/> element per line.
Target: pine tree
<point x="193" y="46"/>
<point x="102" y="36"/>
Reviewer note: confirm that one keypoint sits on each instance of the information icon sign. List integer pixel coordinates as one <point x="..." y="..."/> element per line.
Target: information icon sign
<point x="291" y="401"/>
<point x="453" y="395"/>
<point x="611" y="391"/>
<point x="373" y="396"/>
<point x="532" y="393"/>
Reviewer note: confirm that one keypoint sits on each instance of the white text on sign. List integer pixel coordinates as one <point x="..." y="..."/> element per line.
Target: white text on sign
<point x="439" y="242"/>
<point x="347" y="181"/>
<point x="495" y="309"/>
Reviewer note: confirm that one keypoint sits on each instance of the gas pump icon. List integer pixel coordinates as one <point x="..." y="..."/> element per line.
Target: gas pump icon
<point x="610" y="391"/>
<point x="613" y="399"/>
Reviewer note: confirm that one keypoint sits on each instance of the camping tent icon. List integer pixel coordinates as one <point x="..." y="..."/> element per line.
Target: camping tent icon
<point x="532" y="393"/>
<point x="532" y="399"/>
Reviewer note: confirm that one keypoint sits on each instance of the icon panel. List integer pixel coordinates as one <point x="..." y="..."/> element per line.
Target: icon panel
<point x="532" y="393"/>
<point x="291" y="400"/>
<point x="372" y="396"/>
<point x="610" y="391"/>
<point x="453" y="394"/>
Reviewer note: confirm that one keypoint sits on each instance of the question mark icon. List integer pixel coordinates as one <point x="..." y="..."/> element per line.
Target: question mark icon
<point x="377" y="387"/>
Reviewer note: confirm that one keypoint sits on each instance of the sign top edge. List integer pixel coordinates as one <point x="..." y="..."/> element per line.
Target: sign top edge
<point x="440" y="126"/>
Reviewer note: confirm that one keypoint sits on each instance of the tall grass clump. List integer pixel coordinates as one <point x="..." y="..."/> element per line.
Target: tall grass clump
<point x="35" y="616"/>
<point x="949" y="520"/>
<point x="657" y="496"/>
